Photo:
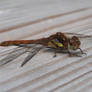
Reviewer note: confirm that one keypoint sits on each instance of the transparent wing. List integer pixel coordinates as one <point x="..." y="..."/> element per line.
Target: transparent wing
<point x="31" y="54"/>
<point x="79" y="35"/>
<point x="13" y="55"/>
<point x="21" y="49"/>
<point x="6" y="52"/>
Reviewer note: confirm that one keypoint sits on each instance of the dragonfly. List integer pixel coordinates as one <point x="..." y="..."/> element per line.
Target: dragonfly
<point x="58" y="41"/>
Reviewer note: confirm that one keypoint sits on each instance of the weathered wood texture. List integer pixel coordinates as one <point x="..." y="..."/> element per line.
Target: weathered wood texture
<point x="31" y="19"/>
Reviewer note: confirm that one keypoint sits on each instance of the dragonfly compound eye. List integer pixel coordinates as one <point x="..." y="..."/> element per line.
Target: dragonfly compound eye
<point x="75" y="42"/>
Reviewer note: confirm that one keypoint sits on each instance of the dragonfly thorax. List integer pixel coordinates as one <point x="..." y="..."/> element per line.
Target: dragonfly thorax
<point x="55" y="43"/>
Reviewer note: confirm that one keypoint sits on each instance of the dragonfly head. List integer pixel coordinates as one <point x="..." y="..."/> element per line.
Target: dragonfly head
<point x="74" y="43"/>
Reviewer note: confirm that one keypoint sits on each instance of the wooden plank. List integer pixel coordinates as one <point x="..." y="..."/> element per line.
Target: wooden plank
<point x="31" y="19"/>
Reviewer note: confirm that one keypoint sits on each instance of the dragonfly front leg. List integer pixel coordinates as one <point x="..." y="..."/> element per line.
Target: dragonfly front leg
<point x="73" y="54"/>
<point x="82" y="51"/>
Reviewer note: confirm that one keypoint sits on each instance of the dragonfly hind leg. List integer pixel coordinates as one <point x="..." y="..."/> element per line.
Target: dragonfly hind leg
<point x="55" y="53"/>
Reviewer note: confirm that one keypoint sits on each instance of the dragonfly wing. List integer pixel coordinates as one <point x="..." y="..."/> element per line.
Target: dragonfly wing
<point x="13" y="55"/>
<point x="79" y="35"/>
<point x="6" y="52"/>
<point x="31" y="54"/>
<point x="26" y="45"/>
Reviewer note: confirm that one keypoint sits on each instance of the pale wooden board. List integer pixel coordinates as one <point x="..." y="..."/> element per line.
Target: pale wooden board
<point x="32" y="19"/>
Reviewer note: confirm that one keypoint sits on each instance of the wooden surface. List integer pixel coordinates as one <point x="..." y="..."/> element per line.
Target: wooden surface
<point x="31" y="19"/>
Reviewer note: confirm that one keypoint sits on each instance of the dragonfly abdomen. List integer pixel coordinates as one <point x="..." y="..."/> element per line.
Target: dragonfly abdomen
<point x="17" y="42"/>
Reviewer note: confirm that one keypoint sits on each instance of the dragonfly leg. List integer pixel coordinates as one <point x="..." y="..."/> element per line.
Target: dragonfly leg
<point x="55" y="53"/>
<point x="73" y="54"/>
<point x="70" y="54"/>
<point x="81" y="51"/>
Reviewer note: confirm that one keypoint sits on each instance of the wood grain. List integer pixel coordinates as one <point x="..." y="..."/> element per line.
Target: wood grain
<point x="43" y="72"/>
